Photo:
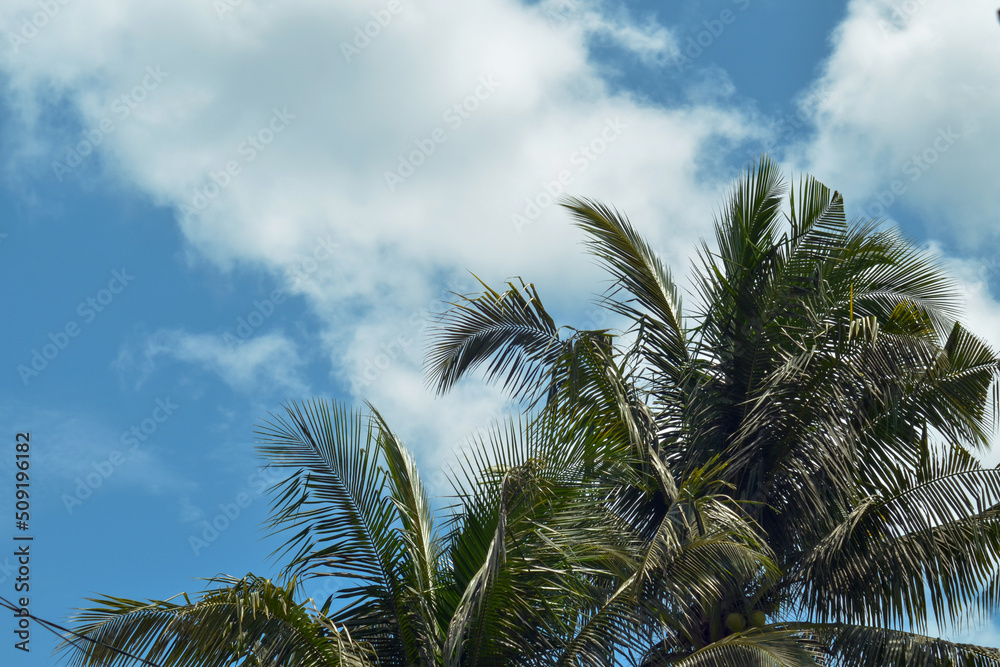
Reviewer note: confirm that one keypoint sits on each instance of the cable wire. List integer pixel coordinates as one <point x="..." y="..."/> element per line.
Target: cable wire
<point x="49" y="625"/>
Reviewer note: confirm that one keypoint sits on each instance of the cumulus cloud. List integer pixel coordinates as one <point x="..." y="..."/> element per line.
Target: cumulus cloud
<point x="425" y="139"/>
<point x="906" y="117"/>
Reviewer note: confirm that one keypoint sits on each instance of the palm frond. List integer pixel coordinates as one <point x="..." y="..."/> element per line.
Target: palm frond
<point x="862" y="645"/>
<point x="511" y="330"/>
<point x="926" y="550"/>
<point x="344" y="522"/>
<point x="248" y="619"/>
<point x="763" y="647"/>
<point x="420" y="571"/>
<point x="644" y="291"/>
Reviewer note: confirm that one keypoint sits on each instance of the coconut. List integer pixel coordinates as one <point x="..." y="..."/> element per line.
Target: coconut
<point x="735" y="622"/>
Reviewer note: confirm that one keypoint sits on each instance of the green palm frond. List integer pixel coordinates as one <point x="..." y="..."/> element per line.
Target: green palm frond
<point x="420" y="572"/>
<point x="343" y="519"/>
<point x="651" y="298"/>
<point x="511" y="327"/>
<point x="519" y="492"/>
<point x="763" y="647"/>
<point x="863" y="571"/>
<point x="861" y="645"/>
<point x="245" y="619"/>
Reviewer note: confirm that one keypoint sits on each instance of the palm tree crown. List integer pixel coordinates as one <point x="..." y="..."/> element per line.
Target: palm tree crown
<point x="788" y="476"/>
<point x="824" y="375"/>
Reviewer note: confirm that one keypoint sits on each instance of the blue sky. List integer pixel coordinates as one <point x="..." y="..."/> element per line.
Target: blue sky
<point x="212" y="207"/>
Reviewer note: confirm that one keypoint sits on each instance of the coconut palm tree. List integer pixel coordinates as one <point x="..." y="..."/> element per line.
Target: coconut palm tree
<point x="533" y="565"/>
<point x="823" y="374"/>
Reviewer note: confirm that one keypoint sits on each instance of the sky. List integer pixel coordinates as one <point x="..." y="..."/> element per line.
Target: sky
<point x="213" y="206"/>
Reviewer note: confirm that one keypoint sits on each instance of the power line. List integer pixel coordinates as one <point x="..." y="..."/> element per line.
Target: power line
<point x="49" y="625"/>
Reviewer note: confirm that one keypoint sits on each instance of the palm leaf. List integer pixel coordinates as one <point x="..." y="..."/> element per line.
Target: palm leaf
<point x="249" y="619"/>
<point x="861" y="645"/>
<point x="344" y="522"/>
<point x="512" y="328"/>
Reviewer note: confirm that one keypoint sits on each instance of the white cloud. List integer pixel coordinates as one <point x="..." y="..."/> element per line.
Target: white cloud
<point x="971" y="630"/>
<point x="249" y="366"/>
<point x="982" y="311"/>
<point x="909" y="100"/>
<point x="494" y="99"/>
<point x="652" y="43"/>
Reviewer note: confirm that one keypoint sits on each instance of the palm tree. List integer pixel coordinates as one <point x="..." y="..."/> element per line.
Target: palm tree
<point x="533" y="566"/>
<point x="787" y="478"/>
<point x="825" y="378"/>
